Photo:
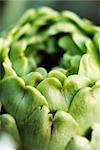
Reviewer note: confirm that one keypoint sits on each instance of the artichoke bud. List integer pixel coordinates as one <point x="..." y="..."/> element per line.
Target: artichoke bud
<point x="50" y="83"/>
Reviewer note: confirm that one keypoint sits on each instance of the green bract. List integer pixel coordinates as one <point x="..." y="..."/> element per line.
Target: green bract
<point x="9" y="136"/>
<point x="50" y="83"/>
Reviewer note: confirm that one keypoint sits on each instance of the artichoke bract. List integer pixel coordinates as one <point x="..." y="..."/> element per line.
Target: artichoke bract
<point x="50" y="82"/>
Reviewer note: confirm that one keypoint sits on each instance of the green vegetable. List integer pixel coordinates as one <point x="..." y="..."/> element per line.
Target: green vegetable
<point x="50" y="83"/>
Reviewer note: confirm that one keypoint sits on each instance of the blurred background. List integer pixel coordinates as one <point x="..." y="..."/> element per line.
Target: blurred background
<point x="11" y="10"/>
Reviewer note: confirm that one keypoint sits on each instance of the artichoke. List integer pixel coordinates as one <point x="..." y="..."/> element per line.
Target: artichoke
<point x="50" y="82"/>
